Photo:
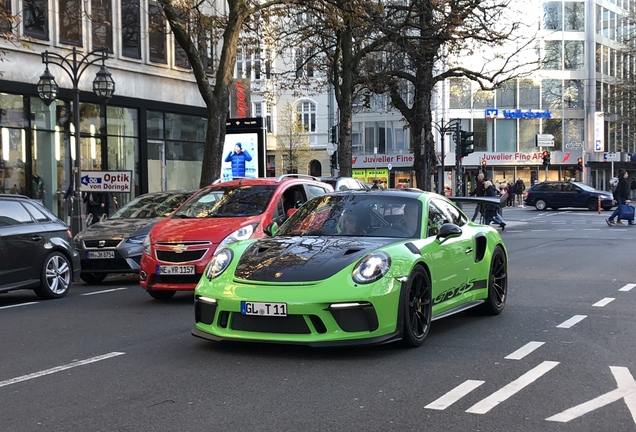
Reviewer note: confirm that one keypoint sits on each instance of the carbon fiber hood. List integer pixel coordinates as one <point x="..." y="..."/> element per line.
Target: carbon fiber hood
<point x="303" y="259"/>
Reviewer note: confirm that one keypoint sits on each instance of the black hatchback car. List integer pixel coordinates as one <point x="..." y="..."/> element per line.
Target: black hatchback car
<point x="36" y="249"/>
<point x="560" y="194"/>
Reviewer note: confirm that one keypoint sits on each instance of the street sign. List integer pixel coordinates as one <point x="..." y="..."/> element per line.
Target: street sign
<point x="574" y="145"/>
<point x="105" y="181"/>
<point x="545" y="140"/>
<point x="613" y="156"/>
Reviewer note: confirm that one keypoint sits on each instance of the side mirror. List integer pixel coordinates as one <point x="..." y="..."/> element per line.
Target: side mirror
<point x="449" y="230"/>
<point x="270" y="229"/>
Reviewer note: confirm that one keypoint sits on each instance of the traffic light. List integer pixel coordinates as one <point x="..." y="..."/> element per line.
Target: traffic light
<point x="483" y="163"/>
<point x="465" y="143"/>
<point x="579" y="164"/>
<point x="546" y="158"/>
<point x="334" y="159"/>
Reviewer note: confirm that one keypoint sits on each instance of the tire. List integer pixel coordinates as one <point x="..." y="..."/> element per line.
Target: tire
<point x="56" y="277"/>
<point x="162" y="294"/>
<point x="592" y="204"/>
<point x="540" y="205"/>
<point x="418" y="308"/>
<point x="497" y="284"/>
<point x="93" y="278"/>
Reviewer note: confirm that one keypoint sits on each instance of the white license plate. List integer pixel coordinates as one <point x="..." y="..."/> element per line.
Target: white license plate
<point x="177" y="269"/>
<point x="101" y="254"/>
<point x="264" y="309"/>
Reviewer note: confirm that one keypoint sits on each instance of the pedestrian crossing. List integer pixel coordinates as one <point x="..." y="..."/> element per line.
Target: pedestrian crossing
<point x="625" y="384"/>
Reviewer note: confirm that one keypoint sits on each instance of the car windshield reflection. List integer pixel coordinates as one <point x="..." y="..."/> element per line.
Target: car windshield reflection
<point x="232" y="201"/>
<point x="356" y="215"/>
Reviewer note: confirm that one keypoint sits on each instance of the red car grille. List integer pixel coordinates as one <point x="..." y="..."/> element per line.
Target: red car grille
<point x="174" y="257"/>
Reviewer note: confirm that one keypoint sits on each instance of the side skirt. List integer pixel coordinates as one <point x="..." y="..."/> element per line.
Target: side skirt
<point x="458" y="309"/>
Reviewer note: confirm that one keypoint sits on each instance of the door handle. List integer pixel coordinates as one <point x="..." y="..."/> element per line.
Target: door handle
<point x="469" y="250"/>
<point x="36" y="238"/>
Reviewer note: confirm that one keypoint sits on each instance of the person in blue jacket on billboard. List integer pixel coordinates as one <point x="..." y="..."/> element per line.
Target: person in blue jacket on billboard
<point x="237" y="158"/>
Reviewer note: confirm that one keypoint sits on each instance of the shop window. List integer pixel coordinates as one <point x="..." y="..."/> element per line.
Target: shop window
<point x="6" y="26"/>
<point x="35" y="19"/>
<point x="70" y="16"/>
<point x="552" y="15"/>
<point x="156" y="34"/>
<point x="130" y="28"/>
<point x="506" y="132"/>
<point x="574" y="55"/>
<point x="306" y="115"/>
<point x="574" y="16"/>
<point x="459" y="93"/>
<point x="101" y="20"/>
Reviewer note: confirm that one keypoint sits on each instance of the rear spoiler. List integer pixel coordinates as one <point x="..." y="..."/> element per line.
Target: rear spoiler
<point x="459" y="200"/>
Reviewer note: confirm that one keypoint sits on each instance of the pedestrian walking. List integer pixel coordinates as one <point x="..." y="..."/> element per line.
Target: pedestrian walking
<point x="520" y="186"/>
<point x="478" y="190"/>
<point x="621" y="194"/>
<point x="491" y="211"/>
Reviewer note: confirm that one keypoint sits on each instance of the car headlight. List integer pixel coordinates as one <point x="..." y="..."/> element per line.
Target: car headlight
<point x="242" y="233"/>
<point x="77" y="242"/>
<point x="219" y="262"/>
<point x="146" y="244"/>
<point x="137" y="239"/>
<point x="371" y="268"/>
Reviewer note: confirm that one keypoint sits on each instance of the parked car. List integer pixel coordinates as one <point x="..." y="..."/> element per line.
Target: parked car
<point x="36" y="249"/>
<point x="560" y="194"/>
<point x="354" y="268"/>
<point x="345" y="183"/>
<point x="114" y="245"/>
<point x="178" y="248"/>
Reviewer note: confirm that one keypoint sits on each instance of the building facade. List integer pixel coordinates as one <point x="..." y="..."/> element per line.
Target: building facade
<point x="153" y="126"/>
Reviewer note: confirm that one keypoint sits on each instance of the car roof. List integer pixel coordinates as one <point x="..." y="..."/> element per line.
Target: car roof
<point x="14" y="196"/>
<point x="267" y="181"/>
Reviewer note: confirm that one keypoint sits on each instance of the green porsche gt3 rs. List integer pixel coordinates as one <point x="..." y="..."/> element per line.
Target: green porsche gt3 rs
<point x="354" y="268"/>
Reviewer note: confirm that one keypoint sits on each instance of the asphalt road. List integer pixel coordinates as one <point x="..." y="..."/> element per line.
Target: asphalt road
<point x="561" y="357"/>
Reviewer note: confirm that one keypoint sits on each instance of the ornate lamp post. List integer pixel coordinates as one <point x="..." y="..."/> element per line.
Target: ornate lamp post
<point x="443" y="129"/>
<point x="74" y="64"/>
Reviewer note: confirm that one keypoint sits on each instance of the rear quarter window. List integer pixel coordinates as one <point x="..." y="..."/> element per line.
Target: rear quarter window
<point x="13" y="213"/>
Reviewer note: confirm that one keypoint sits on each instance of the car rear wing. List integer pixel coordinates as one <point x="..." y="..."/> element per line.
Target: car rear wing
<point x="498" y="201"/>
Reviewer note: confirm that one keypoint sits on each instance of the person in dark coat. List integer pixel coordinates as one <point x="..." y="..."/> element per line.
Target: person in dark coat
<point x="621" y="194"/>
<point x="491" y="211"/>
<point x="512" y="193"/>
<point x="478" y="191"/>
<point x="95" y="206"/>
<point x="237" y="158"/>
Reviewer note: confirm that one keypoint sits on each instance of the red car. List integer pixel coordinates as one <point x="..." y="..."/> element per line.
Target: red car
<point x="179" y="247"/>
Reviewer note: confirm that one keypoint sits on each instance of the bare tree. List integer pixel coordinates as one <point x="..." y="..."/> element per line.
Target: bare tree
<point x="430" y="41"/>
<point x="192" y="21"/>
<point x="292" y="142"/>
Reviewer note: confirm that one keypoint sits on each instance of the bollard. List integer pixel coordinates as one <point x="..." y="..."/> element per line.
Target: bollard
<point x="599" y="204"/>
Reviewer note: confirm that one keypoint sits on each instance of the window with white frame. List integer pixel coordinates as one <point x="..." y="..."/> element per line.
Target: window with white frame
<point x="306" y="112"/>
<point x="248" y="63"/>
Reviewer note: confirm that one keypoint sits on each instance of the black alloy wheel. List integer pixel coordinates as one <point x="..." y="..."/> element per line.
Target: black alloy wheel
<point x="497" y="284"/>
<point x="418" y="308"/>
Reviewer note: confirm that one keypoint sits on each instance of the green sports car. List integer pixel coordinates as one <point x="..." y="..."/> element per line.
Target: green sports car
<point x="354" y="268"/>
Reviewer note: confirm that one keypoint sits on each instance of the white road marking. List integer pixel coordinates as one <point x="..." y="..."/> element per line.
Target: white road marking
<point x="59" y="368"/>
<point x="454" y="395"/>
<point x="524" y="350"/>
<point x="572" y="321"/>
<point x="104" y="291"/>
<point x="628" y="287"/>
<point x="604" y="302"/>
<point x="626" y="390"/>
<point x="512" y="388"/>
<point x="18" y="305"/>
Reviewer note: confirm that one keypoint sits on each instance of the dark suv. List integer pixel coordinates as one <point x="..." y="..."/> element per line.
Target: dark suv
<point x="559" y="194"/>
<point x="36" y="249"/>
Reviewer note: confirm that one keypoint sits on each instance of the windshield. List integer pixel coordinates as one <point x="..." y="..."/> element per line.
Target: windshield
<point x="229" y="201"/>
<point x="358" y="215"/>
<point x="585" y="187"/>
<point x="150" y="206"/>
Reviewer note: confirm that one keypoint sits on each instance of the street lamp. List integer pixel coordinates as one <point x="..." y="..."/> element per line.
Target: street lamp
<point x="74" y="64"/>
<point x="443" y="129"/>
